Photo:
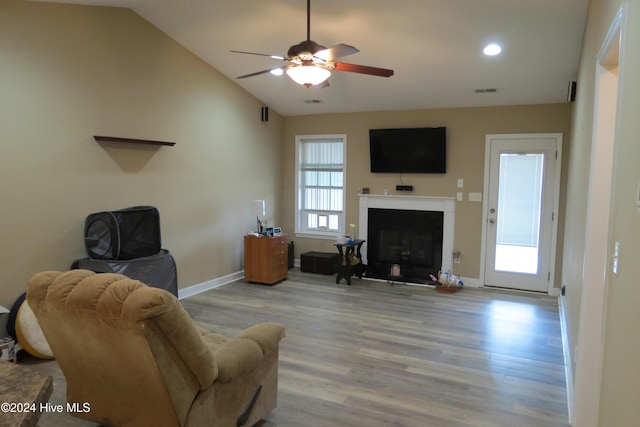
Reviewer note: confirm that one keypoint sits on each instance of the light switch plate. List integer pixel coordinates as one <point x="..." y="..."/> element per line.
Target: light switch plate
<point x="475" y="197"/>
<point x="459" y="196"/>
<point x="460" y="182"/>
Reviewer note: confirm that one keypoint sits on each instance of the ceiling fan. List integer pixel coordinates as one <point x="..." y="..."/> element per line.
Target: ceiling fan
<point x="310" y="64"/>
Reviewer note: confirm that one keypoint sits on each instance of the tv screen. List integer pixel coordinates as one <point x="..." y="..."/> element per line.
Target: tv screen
<point x="408" y="150"/>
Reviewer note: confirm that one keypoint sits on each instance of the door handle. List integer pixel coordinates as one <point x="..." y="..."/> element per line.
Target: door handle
<point x="492" y="220"/>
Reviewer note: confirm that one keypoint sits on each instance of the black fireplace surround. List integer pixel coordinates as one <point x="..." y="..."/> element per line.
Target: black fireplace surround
<point x="410" y="238"/>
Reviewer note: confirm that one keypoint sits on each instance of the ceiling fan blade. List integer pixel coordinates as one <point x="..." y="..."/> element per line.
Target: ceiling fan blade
<point x="363" y="69"/>
<point x="260" y="54"/>
<point x="335" y="52"/>
<point x="257" y="73"/>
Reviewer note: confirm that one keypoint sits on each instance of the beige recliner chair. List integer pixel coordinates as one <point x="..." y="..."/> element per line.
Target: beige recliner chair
<point x="132" y="356"/>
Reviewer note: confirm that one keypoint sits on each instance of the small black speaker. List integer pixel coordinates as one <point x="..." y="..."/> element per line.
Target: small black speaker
<point x="265" y="114"/>
<point x="571" y="92"/>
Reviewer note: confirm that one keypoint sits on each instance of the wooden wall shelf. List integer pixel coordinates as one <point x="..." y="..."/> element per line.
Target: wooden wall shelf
<point x="132" y="140"/>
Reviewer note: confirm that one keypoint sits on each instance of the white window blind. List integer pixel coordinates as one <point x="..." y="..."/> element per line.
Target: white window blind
<point x="321" y="180"/>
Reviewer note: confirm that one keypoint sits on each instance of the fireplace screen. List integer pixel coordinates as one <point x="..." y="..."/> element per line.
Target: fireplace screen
<point x="411" y="239"/>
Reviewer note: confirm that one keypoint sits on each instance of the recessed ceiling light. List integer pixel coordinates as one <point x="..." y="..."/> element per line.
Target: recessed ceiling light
<point x="277" y="71"/>
<point x="492" y="49"/>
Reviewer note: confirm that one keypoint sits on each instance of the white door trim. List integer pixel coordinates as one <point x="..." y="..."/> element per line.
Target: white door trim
<point x="556" y="199"/>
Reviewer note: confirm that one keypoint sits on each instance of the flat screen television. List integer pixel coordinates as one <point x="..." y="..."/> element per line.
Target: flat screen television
<point x="408" y="150"/>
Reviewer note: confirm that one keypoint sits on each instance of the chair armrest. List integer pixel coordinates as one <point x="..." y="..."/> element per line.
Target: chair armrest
<point x="241" y="354"/>
<point x="266" y="335"/>
<point x="236" y="357"/>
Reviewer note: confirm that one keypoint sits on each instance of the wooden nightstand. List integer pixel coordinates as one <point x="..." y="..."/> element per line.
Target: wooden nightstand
<point x="265" y="259"/>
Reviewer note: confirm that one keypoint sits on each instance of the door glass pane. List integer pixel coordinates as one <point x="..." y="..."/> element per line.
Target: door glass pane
<point x="519" y="213"/>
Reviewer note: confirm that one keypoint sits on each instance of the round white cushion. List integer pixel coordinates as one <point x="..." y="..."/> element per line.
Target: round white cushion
<point x="29" y="333"/>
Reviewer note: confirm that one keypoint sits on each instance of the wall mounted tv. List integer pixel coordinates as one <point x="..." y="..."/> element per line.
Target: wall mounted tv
<point x="408" y="150"/>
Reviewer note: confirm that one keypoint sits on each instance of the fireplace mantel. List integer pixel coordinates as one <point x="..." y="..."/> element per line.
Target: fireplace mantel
<point x="418" y="203"/>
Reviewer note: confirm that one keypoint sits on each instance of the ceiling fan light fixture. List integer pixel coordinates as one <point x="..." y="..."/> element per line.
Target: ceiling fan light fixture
<point x="277" y="71"/>
<point x="308" y="75"/>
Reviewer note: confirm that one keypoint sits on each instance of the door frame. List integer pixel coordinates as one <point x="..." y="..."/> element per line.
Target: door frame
<point x="551" y="289"/>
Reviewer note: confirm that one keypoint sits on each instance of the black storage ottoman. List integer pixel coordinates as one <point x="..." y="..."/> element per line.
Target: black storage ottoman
<point x="158" y="271"/>
<point x="319" y="262"/>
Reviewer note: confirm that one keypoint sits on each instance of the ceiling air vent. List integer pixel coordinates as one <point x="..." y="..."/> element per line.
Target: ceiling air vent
<point x="312" y="101"/>
<point x="489" y="90"/>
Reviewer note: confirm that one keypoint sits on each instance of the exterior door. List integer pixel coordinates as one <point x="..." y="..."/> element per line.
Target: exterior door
<point x="522" y="186"/>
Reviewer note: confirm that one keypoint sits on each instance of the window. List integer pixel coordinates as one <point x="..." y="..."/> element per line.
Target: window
<point x="320" y="172"/>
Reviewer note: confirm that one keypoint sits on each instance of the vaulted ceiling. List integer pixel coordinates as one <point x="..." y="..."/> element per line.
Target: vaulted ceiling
<point x="433" y="46"/>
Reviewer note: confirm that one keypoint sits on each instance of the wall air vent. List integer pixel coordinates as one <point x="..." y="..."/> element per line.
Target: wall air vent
<point x="312" y="101"/>
<point x="489" y="90"/>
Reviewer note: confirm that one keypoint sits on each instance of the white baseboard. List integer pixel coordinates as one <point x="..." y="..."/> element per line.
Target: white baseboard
<point x="209" y="284"/>
<point x="468" y="281"/>
<point x="568" y="372"/>
<point x="472" y="282"/>
<point x="225" y="280"/>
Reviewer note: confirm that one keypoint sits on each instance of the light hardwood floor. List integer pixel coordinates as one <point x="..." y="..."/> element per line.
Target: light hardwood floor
<point x="372" y="354"/>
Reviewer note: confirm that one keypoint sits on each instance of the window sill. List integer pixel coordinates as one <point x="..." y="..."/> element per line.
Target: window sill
<point x="323" y="236"/>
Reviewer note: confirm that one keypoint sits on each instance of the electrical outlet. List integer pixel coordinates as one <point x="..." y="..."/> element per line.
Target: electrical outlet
<point x="459" y="196"/>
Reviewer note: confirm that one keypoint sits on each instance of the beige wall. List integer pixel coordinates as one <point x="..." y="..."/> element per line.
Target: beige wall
<point x="620" y="389"/>
<point x="466" y="130"/>
<point x="600" y="18"/>
<point x="70" y="72"/>
<point x="621" y="371"/>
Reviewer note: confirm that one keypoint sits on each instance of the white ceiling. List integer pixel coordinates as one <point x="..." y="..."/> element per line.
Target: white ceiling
<point x="434" y="47"/>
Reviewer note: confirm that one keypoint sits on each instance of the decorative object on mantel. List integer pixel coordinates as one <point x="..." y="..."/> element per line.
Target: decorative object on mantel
<point x="99" y="138"/>
<point x="447" y="282"/>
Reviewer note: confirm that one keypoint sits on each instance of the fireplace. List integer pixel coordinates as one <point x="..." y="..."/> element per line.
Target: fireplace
<point x="410" y="239"/>
<point x="413" y="232"/>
